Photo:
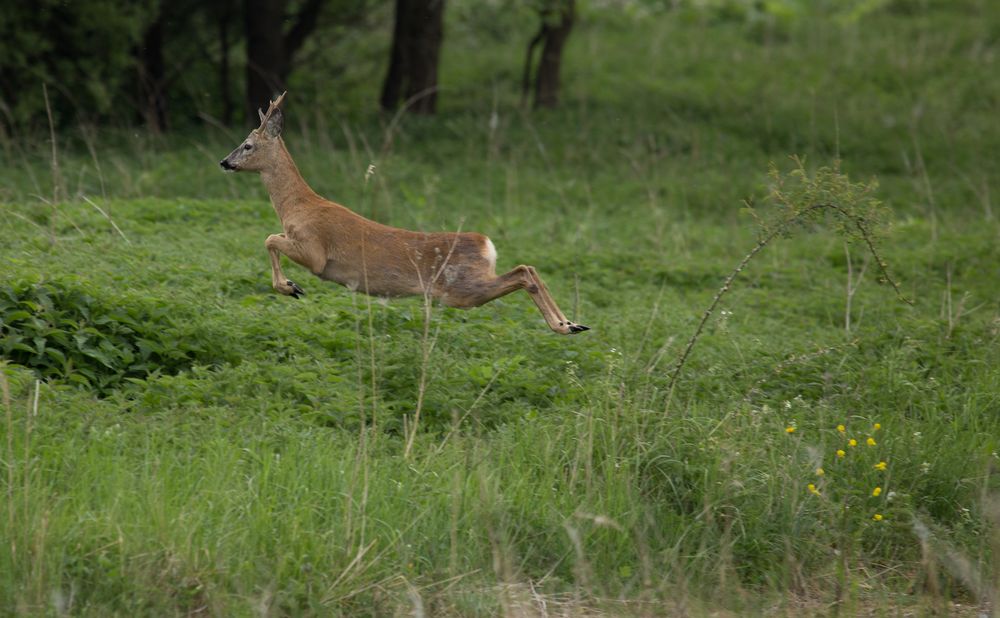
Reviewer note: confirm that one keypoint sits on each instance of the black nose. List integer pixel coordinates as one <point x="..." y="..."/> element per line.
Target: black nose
<point x="226" y="165"/>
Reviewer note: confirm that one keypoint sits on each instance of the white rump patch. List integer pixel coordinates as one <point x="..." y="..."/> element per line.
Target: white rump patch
<point x="491" y="253"/>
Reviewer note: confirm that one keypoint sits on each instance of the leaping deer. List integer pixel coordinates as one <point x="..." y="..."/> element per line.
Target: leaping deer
<point x="337" y="244"/>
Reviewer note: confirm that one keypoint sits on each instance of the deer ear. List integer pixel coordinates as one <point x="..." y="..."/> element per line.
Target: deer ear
<point x="274" y="124"/>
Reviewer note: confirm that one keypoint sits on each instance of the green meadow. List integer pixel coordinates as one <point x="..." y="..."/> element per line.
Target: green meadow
<point x="178" y="439"/>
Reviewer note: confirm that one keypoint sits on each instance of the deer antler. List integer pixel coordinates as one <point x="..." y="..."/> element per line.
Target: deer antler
<point x="274" y="105"/>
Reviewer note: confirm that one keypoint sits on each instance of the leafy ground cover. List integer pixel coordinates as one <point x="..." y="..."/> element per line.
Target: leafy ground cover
<point x="198" y="444"/>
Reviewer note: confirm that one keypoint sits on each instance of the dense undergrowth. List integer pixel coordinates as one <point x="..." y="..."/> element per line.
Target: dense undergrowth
<point x="179" y="439"/>
<point x="61" y="331"/>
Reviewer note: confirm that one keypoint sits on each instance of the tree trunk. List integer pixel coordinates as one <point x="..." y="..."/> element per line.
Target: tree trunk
<point x="547" y="80"/>
<point x="224" y="94"/>
<point x="392" y="86"/>
<point x="557" y="23"/>
<point x="528" y="60"/>
<point x="152" y="77"/>
<point x="270" y="51"/>
<point x="413" y="61"/>
<point x="266" y="64"/>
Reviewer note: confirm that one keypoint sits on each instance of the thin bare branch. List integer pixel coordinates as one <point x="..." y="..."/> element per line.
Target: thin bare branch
<point x="779" y="229"/>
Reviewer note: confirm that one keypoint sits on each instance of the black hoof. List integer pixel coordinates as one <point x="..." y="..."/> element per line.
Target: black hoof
<point x="577" y="328"/>
<point x="297" y="292"/>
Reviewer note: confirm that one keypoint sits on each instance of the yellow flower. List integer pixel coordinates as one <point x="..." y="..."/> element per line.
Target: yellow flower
<point x="840" y="452"/>
<point x="877" y="517"/>
<point x="852" y="442"/>
<point x="877" y="426"/>
<point x="880" y="465"/>
<point x="876" y="491"/>
<point x="812" y="489"/>
<point x="870" y="441"/>
<point x="820" y="472"/>
<point x="789" y="429"/>
<point x="841" y="428"/>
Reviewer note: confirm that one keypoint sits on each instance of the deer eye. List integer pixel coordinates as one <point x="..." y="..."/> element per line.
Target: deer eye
<point x="247" y="147"/>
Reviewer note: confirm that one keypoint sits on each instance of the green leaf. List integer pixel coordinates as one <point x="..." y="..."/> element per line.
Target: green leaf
<point x="14" y="316"/>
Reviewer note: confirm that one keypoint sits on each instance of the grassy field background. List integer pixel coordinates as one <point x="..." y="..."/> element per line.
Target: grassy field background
<point x="201" y="445"/>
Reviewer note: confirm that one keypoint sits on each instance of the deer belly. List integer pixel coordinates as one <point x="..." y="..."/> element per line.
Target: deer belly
<point x="384" y="282"/>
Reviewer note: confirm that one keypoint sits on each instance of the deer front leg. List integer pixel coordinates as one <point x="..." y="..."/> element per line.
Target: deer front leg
<point x="277" y="244"/>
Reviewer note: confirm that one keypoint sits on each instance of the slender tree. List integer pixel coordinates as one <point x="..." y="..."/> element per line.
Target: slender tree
<point x="413" y="60"/>
<point x="152" y="74"/>
<point x="169" y="44"/>
<point x="223" y="21"/>
<point x="170" y="22"/>
<point x="271" y="49"/>
<point x="557" y="17"/>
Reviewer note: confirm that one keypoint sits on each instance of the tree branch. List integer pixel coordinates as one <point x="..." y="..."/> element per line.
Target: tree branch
<point x="778" y="230"/>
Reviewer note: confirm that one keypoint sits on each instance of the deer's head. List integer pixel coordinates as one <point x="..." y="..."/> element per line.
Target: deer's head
<point x="257" y="149"/>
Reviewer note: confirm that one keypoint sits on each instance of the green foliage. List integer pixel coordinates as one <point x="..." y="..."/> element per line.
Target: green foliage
<point x="61" y="331"/>
<point x="786" y="11"/>
<point x="53" y="42"/>
<point x="800" y="198"/>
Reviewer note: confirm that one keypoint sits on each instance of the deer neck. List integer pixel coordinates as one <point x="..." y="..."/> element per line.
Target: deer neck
<point x="284" y="183"/>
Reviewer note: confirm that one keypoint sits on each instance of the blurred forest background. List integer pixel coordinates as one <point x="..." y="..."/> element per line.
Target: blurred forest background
<point x="169" y="65"/>
<point x="172" y="65"/>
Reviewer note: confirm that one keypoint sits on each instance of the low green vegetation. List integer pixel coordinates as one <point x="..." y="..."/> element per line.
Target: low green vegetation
<point x="179" y="439"/>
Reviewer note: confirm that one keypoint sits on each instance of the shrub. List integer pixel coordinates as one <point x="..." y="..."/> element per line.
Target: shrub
<point x="61" y="331"/>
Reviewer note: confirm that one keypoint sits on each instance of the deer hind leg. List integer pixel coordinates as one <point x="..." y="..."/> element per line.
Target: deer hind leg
<point x="520" y="278"/>
<point x="547" y="305"/>
<point x="277" y="244"/>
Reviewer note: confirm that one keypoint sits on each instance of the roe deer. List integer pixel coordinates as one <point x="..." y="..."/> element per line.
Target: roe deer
<point x="339" y="245"/>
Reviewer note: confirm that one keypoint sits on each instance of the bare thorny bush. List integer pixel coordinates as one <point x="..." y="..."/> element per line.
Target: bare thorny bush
<point x="802" y="200"/>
